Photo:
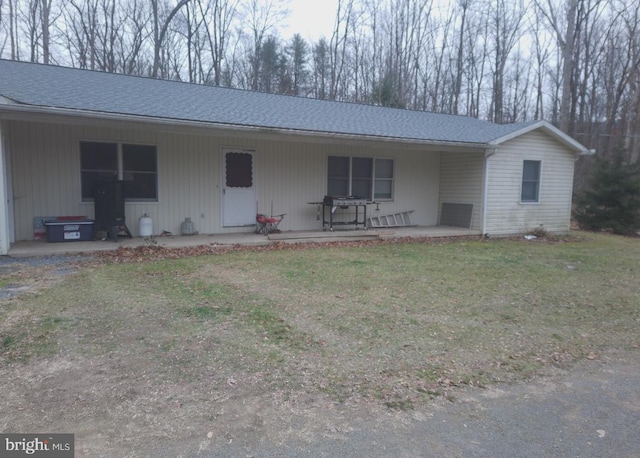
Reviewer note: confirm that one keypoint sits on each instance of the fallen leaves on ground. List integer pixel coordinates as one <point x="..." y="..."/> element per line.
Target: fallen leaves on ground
<point x="153" y="252"/>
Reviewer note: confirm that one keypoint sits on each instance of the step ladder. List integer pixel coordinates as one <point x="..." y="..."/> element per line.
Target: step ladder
<point x="400" y="219"/>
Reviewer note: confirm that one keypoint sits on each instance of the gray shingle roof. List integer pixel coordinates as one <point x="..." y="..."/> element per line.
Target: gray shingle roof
<point x="59" y="87"/>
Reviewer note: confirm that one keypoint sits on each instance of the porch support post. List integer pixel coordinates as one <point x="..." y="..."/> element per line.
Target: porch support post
<point x="5" y="242"/>
<point x="485" y="187"/>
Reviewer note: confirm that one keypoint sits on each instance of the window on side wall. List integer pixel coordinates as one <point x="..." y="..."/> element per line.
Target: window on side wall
<point x="364" y="177"/>
<point x="530" y="182"/>
<point x="137" y="164"/>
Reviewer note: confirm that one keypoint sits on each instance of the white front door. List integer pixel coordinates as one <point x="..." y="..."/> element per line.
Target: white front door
<point x="238" y="188"/>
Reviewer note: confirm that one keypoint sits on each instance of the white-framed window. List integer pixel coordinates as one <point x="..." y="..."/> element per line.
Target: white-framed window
<point x="364" y="177"/>
<point x="530" y="191"/>
<point x="136" y="164"/>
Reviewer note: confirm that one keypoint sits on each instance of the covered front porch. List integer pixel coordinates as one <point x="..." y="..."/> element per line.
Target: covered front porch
<point x="43" y="248"/>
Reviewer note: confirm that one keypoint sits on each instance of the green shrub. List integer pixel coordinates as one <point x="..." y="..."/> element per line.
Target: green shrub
<point x="612" y="202"/>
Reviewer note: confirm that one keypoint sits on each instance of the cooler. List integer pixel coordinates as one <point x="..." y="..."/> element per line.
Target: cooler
<point x="69" y="230"/>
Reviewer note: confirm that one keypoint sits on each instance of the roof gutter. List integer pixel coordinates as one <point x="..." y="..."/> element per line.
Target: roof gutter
<point x="590" y="152"/>
<point x="205" y="125"/>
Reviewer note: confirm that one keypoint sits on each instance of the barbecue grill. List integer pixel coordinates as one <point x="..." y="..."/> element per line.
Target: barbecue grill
<point x="330" y="204"/>
<point x="344" y="201"/>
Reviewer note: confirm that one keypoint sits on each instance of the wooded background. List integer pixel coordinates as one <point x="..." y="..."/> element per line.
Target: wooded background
<point x="575" y="63"/>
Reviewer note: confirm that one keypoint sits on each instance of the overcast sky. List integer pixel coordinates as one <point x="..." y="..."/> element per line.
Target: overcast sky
<point x="310" y="18"/>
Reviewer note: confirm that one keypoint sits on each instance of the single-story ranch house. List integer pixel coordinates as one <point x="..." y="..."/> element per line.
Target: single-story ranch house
<point x="219" y="156"/>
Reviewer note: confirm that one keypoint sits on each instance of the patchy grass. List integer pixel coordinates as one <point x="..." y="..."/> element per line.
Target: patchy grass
<point x="393" y="324"/>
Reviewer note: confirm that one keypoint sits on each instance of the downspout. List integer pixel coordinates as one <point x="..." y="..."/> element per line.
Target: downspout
<point x="488" y="153"/>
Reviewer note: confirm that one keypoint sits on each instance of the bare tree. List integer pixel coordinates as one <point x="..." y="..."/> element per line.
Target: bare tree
<point x="111" y="29"/>
<point x="517" y="85"/>
<point x="217" y="20"/>
<point x="542" y="48"/>
<point x="338" y="45"/>
<point x="8" y="28"/>
<point x="132" y="42"/>
<point x="457" y="88"/>
<point x="409" y="20"/>
<point x="93" y="32"/>
<point x="506" y="21"/>
<point x="622" y="58"/>
<point x="3" y="42"/>
<point x="45" y="23"/>
<point x="631" y="19"/>
<point x="564" y="28"/>
<point x="188" y="25"/>
<point x="160" y="27"/>
<point x="261" y="18"/>
<point x="80" y="30"/>
<point x="475" y="57"/>
<point x="441" y="62"/>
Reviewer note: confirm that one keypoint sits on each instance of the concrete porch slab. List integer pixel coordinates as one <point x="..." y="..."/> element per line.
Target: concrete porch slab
<point x="43" y="248"/>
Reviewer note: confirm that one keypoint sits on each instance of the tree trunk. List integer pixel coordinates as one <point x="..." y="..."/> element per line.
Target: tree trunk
<point x="567" y="67"/>
<point x="159" y="31"/>
<point x="45" y="13"/>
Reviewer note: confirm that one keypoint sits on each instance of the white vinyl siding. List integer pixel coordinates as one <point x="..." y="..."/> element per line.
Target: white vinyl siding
<point x="506" y="213"/>
<point x="461" y="182"/>
<point x="289" y="174"/>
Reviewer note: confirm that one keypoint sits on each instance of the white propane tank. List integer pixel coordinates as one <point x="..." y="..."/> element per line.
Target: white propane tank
<point x="145" y="225"/>
<point x="187" y="227"/>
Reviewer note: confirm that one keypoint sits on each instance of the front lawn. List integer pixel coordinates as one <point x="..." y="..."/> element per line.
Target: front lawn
<point x="173" y="346"/>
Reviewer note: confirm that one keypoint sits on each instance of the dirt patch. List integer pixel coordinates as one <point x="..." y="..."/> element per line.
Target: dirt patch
<point x="22" y="275"/>
<point x="116" y="408"/>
